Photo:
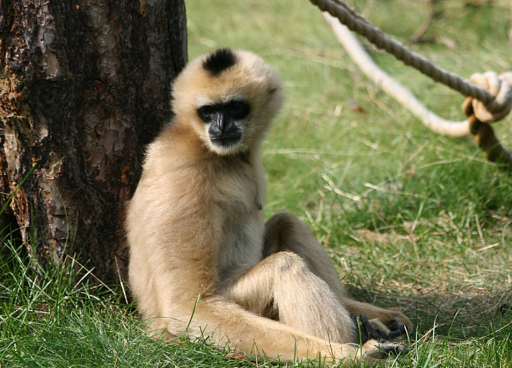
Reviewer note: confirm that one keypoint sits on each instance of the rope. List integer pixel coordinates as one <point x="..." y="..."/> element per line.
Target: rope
<point x="486" y="139"/>
<point x="358" y="54"/>
<point x="360" y="25"/>
<point x="482" y="105"/>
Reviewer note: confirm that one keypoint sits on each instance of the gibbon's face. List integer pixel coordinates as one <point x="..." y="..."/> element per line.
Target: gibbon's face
<point x="225" y="121"/>
<point x="229" y="98"/>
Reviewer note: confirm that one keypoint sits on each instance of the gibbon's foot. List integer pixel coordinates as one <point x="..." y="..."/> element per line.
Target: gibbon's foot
<point x="397" y="329"/>
<point x="376" y="330"/>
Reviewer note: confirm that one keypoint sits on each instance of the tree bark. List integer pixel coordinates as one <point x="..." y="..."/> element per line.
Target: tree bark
<point x="84" y="86"/>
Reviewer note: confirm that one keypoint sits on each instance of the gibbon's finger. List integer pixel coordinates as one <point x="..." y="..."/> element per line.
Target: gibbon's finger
<point x="397" y="329"/>
<point x="388" y="348"/>
<point x="376" y="329"/>
<point x="366" y="331"/>
<point x="362" y="333"/>
<point x="381" y="349"/>
<point x="361" y="337"/>
<point x="380" y="327"/>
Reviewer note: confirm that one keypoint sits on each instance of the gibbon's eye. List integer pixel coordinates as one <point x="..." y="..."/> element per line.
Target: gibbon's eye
<point x="206" y="112"/>
<point x="238" y="109"/>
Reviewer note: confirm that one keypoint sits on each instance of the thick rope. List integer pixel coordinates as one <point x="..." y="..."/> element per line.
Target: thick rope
<point x="358" y="54"/>
<point x="486" y="139"/>
<point x="360" y="25"/>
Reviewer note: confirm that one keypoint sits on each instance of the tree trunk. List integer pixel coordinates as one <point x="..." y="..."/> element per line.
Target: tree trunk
<point x="84" y="86"/>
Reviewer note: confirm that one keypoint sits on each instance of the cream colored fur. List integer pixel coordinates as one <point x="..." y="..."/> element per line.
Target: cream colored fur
<point x="198" y="239"/>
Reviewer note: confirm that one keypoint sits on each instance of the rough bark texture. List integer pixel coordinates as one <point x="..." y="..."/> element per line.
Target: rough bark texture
<point x="84" y="86"/>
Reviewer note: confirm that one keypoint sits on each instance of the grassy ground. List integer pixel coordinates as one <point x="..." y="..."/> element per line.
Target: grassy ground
<point x="413" y="220"/>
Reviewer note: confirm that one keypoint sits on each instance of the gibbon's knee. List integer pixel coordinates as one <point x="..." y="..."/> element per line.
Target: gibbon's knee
<point x="285" y="232"/>
<point x="259" y="284"/>
<point x="261" y="289"/>
<point x="289" y="262"/>
<point x="305" y="301"/>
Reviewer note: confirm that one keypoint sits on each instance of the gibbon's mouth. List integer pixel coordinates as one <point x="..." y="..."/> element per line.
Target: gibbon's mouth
<point x="226" y="140"/>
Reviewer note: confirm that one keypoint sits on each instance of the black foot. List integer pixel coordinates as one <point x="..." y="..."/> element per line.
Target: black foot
<point x="367" y="331"/>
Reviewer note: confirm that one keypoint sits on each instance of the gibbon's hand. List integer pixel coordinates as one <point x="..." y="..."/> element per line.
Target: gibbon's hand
<point x="376" y="330"/>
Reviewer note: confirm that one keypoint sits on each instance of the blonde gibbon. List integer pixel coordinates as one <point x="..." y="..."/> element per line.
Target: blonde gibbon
<point x="203" y="262"/>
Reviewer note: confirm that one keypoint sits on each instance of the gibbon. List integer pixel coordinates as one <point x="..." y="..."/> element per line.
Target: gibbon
<point x="203" y="262"/>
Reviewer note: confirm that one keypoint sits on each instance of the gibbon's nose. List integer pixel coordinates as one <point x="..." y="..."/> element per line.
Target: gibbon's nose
<point x="223" y="126"/>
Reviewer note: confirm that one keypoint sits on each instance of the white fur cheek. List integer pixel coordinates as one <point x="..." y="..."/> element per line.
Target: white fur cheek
<point x="207" y="134"/>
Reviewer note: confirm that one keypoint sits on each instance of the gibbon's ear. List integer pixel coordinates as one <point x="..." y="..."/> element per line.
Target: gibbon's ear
<point x="229" y="98"/>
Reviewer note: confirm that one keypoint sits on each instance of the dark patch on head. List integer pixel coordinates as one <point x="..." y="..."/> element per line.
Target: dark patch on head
<point x="219" y="60"/>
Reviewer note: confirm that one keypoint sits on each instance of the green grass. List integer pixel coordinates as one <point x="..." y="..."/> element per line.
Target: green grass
<point x="412" y="220"/>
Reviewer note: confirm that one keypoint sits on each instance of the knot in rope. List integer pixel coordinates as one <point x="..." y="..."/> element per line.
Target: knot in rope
<point x="500" y="88"/>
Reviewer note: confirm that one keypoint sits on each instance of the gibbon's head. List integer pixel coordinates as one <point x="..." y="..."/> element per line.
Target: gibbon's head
<point x="229" y="98"/>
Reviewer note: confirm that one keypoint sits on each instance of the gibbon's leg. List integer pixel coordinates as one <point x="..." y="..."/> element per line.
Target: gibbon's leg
<point x="285" y="232"/>
<point x="229" y="324"/>
<point x="311" y="319"/>
<point x="282" y="287"/>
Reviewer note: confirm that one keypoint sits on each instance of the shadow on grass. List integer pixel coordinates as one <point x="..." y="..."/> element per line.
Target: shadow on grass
<point x="454" y="316"/>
